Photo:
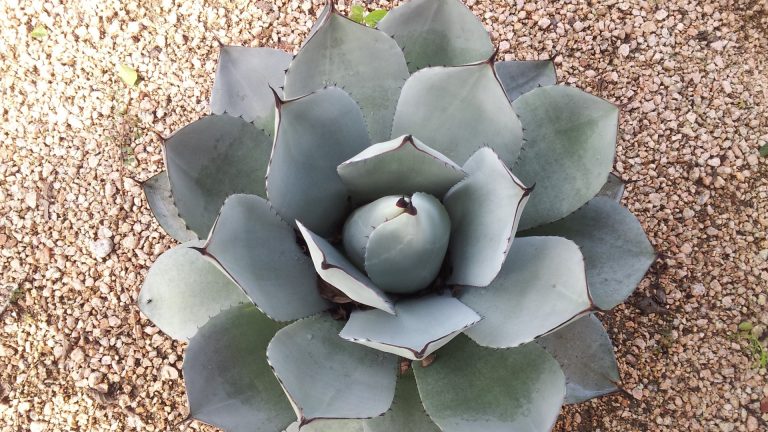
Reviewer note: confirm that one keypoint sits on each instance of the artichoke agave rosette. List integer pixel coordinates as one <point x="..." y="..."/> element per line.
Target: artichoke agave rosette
<point x="357" y="207"/>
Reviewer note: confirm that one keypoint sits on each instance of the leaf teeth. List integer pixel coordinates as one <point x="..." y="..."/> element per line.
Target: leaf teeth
<point x="421" y="326"/>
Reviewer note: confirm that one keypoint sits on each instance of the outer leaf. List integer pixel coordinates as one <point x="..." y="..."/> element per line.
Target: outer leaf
<point x="183" y="290"/>
<point x="157" y="189"/>
<point x="437" y="33"/>
<point x="211" y="159"/>
<point x="613" y="188"/>
<point x="314" y="134"/>
<point x="244" y="79"/>
<point x="335" y="269"/>
<point x="229" y="383"/>
<point x="323" y="425"/>
<point x="421" y="326"/>
<point x="406" y="253"/>
<point x="541" y="287"/>
<point x="259" y="252"/>
<point x="407" y="413"/>
<point x="470" y="388"/>
<point x="520" y="77"/>
<point x="328" y="377"/>
<point x="584" y="351"/>
<point x="616" y="250"/>
<point x="457" y="110"/>
<point x="363" y="61"/>
<point x="401" y="166"/>
<point x="570" y="143"/>
<point x="484" y="210"/>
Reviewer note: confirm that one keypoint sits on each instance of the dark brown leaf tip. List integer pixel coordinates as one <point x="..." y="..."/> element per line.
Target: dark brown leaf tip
<point x="406" y="203"/>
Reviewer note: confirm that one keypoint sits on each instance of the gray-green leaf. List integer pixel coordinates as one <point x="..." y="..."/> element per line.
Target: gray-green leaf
<point x="585" y="353"/>
<point x="420" y="326"/>
<point x="361" y="223"/>
<point x="183" y="290"/>
<point x="259" y="252"/>
<point x="541" y="287"/>
<point x="613" y="188"/>
<point x="334" y="268"/>
<point x="469" y="388"/>
<point x="157" y="190"/>
<point x="328" y="425"/>
<point x="328" y="377"/>
<point x="211" y="159"/>
<point x="405" y="254"/>
<point x="401" y="166"/>
<point x="570" y="141"/>
<point x="315" y="134"/>
<point x="365" y="62"/>
<point x="485" y="209"/>
<point x="615" y="248"/>
<point x="520" y="77"/>
<point x="457" y="110"/>
<point x="229" y="382"/>
<point x="407" y="413"/>
<point x="437" y="33"/>
<point x="243" y="79"/>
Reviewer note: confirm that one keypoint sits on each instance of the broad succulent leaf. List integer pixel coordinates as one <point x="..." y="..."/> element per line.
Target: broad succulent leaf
<point x="401" y="166"/>
<point x="457" y="110"/>
<point x="244" y="81"/>
<point x="613" y="188"/>
<point x="365" y="62"/>
<point x="542" y="286"/>
<point x="335" y="268"/>
<point x="328" y="9"/>
<point x="327" y="377"/>
<point x="328" y="425"/>
<point x="314" y="135"/>
<point x="570" y="141"/>
<point x="157" y="189"/>
<point x="485" y="210"/>
<point x="407" y="413"/>
<point x="585" y="353"/>
<point x="470" y="388"/>
<point x="437" y="33"/>
<point x="259" y="252"/>
<point x="211" y="159"/>
<point x="229" y="382"/>
<point x="405" y="254"/>
<point x="420" y="326"/>
<point x="520" y="77"/>
<point x="615" y="248"/>
<point x="183" y="290"/>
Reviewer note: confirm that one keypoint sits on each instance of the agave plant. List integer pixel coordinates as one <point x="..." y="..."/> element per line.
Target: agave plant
<point x="387" y="193"/>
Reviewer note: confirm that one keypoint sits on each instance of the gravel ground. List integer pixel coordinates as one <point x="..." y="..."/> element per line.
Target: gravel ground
<point x="77" y="237"/>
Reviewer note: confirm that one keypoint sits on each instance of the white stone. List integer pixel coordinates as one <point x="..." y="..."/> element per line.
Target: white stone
<point x="101" y="247"/>
<point x="169" y="373"/>
<point x="624" y="50"/>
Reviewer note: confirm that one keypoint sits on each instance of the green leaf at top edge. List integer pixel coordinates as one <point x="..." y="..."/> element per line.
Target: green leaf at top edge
<point x="373" y="18"/>
<point x="357" y="13"/>
<point x="39" y="32"/>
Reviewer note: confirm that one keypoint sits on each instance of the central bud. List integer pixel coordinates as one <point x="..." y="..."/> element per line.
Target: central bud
<point x="399" y="241"/>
